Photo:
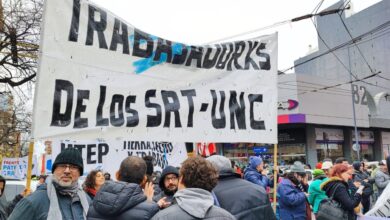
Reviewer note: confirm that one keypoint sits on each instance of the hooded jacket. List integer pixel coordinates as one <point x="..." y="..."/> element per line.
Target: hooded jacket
<point x="252" y="175"/>
<point x="339" y="188"/>
<point x="193" y="203"/>
<point x="164" y="193"/>
<point x="121" y="200"/>
<point x="241" y="198"/>
<point x="381" y="181"/>
<point x="316" y="195"/>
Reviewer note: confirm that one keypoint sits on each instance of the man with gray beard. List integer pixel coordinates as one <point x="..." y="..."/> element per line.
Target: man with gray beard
<point x="61" y="197"/>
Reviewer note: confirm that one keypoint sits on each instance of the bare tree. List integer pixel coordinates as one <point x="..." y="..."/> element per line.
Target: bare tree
<point x="19" y="37"/>
<point x="15" y="120"/>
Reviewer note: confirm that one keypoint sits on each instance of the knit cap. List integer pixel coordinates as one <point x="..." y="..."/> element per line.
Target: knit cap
<point x="255" y="161"/>
<point x="297" y="167"/>
<point x="69" y="156"/>
<point x="318" y="172"/>
<point x="220" y="163"/>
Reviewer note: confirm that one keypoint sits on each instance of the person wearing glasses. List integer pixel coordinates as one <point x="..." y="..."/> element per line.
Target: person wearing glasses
<point x="62" y="197"/>
<point x="168" y="185"/>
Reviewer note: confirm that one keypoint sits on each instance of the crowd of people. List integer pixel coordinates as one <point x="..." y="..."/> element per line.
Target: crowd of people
<point x="202" y="188"/>
<point x="354" y="188"/>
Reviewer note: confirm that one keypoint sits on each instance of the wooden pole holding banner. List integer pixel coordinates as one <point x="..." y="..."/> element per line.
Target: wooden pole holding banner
<point x="275" y="174"/>
<point x="29" y="168"/>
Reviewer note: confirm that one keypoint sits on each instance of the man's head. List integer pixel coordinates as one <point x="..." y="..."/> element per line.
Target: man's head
<point x="2" y="185"/>
<point x="132" y="170"/>
<point x="327" y="159"/>
<point x="169" y="180"/>
<point x="326" y="166"/>
<point x="42" y="179"/>
<point x="357" y="165"/>
<point x="382" y="165"/>
<point x="341" y="160"/>
<point x="256" y="163"/>
<point x="298" y="169"/>
<point x="149" y="165"/>
<point x="196" y="172"/>
<point x="107" y="176"/>
<point x="220" y="163"/>
<point x="67" y="167"/>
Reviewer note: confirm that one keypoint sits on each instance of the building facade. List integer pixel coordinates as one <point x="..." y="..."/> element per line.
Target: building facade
<point x="349" y="72"/>
<point x="353" y="49"/>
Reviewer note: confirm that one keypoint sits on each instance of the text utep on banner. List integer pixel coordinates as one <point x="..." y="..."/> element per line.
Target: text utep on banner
<point x="107" y="155"/>
<point x="101" y="77"/>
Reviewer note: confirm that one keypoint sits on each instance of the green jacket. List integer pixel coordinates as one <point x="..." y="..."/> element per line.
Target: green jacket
<point x="316" y="195"/>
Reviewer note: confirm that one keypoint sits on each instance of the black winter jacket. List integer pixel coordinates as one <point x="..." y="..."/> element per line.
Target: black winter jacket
<point x="368" y="186"/>
<point x="342" y="195"/>
<point x="243" y="199"/>
<point x="120" y="201"/>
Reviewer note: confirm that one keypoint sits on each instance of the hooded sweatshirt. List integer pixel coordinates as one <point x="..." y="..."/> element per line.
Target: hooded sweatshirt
<point x="193" y="203"/>
<point x="164" y="191"/>
<point x="121" y="200"/>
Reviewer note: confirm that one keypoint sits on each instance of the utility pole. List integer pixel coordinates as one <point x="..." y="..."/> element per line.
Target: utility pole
<point x="357" y="146"/>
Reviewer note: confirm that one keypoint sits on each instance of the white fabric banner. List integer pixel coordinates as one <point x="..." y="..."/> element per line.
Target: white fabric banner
<point x="107" y="155"/>
<point x="382" y="206"/>
<point x="16" y="168"/>
<point x="101" y="77"/>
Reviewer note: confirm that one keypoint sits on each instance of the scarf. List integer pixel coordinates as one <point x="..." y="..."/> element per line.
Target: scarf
<point x="74" y="191"/>
<point x="91" y="191"/>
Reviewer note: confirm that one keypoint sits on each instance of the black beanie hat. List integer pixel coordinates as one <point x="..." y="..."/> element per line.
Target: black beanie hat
<point x="69" y="156"/>
<point x="167" y="170"/>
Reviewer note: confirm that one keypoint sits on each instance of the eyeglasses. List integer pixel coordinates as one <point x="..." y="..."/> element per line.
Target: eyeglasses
<point x="71" y="167"/>
<point x="173" y="178"/>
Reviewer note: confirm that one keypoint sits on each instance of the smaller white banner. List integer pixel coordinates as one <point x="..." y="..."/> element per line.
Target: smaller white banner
<point x="16" y="168"/>
<point x="107" y="155"/>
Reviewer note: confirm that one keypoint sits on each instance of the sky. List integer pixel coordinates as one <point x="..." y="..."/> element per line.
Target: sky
<point x="207" y="21"/>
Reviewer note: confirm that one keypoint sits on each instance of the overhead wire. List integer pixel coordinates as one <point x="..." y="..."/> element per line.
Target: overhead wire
<point x="350" y="35"/>
<point x="323" y="13"/>
<point x="356" y="39"/>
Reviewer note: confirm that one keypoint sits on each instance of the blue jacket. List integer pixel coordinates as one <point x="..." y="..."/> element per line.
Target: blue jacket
<point x="252" y="175"/>
<point x="292" y="201"/>
<point x="36" y="206"/>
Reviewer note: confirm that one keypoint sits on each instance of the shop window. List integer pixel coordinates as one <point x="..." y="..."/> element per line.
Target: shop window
<point x="329" y="150"/>
<point x="366" y="152"/>
<point x="289" y="153"/>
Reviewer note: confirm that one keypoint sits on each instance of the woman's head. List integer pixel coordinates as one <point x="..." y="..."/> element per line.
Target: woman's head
<point x="94" y="180"/>
<point x="341" y="171"/>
